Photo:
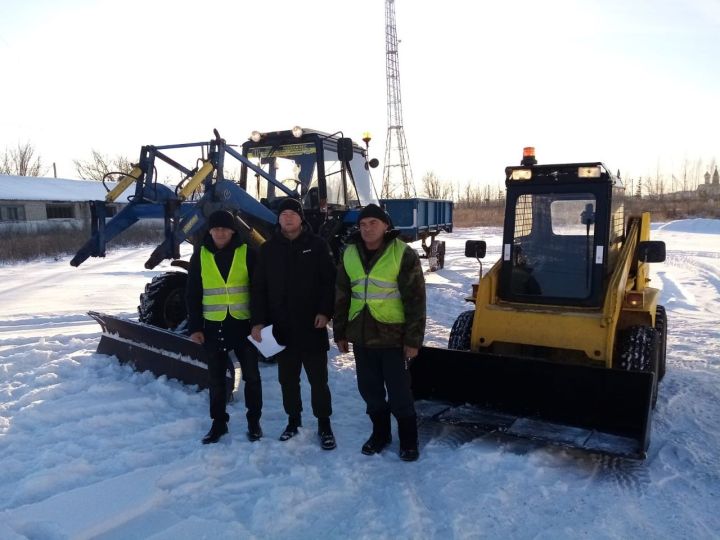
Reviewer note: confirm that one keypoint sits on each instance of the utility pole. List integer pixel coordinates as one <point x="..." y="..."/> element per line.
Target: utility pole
<point x="397" y="172"/>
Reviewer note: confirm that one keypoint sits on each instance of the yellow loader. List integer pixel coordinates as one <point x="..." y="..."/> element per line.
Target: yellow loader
<point x="566" y="342"/>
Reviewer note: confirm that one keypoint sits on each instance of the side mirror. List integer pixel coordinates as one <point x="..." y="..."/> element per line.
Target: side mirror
<point x="345" y="149"/>
<point x="652" y="251"/>
<point x="475" y="248"/>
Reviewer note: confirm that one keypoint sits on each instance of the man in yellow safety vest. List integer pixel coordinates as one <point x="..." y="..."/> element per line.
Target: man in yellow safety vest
<point x="218" y="302"/>
<point x="380" y="309"/>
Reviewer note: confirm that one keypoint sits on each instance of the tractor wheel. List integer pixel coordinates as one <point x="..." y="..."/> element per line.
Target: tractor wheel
<point x="637" y="350"/>
<point x="163" y="302"/>
<point x="461" y="330"/>
<point x="661" y="329"/>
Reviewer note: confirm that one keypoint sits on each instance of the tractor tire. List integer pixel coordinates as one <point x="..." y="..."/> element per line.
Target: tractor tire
<point x="637" y="350"/>
<point x="163" y="302"/>
<point x="460" y="333"/>
<point x="661" y="329"/>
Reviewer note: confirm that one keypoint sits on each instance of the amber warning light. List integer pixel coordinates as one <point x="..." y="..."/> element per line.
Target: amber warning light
<point x="528" y="156"/>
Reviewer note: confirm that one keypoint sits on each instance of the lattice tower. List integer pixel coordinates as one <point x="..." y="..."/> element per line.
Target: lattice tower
<point x="397" y="173"/>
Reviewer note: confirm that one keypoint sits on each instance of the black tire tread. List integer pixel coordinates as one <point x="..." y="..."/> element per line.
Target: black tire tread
<point x="461" y="330"/>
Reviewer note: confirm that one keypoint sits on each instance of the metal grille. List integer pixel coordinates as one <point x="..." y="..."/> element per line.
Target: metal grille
<point x="523" y="216"/>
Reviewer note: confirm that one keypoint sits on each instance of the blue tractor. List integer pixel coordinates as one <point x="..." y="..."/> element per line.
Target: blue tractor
<point x="328" y="173"/>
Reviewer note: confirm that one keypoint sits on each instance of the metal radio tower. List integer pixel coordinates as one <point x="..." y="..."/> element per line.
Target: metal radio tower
<point x="396" y="167"/>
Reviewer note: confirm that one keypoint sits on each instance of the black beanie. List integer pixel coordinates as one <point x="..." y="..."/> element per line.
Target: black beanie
<point x="291" y="204"/>
<point x="221" y="218"/>
<point x="373" y="210"/>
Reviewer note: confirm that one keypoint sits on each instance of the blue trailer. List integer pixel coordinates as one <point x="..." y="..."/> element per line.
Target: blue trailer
<point x="422" y="219"/>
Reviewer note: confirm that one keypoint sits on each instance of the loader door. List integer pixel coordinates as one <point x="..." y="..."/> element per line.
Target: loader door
<point x="553" y="249"/>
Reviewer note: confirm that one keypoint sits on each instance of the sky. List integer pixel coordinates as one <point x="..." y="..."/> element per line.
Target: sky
<point x="632" y="84"/>
<point x="92" y="450"/>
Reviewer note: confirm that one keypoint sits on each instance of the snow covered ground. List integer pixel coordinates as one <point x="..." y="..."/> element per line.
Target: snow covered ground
<point x="90" y="449"/>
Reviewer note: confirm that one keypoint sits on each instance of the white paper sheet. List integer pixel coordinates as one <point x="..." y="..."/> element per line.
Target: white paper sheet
<point x="268" y="346"/>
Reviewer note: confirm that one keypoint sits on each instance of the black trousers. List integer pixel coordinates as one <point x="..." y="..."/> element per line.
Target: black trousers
<point x="290" y="362"/>
<point x="384" y="369"/>
<point x="218" y="363"/>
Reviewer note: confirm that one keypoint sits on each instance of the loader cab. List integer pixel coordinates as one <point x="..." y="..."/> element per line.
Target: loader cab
<point x="327" y="172"/>
<point x="561" y="233"/>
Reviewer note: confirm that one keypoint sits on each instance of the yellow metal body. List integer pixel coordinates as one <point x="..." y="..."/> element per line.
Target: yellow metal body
<point x="123" y="184"/>
<point x="585" y="335"/>
<point x="196" y="180"/>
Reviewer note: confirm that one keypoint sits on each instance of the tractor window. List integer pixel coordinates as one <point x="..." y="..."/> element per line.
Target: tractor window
<point x="333" y="179"/>
<point x="553" y="245"/>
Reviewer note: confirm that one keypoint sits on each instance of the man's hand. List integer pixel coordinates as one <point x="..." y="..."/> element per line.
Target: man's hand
<point x="410" y="352"/>
<point x="320" y="321"/>
<point x="343" y="346"/>
<point x="198" y="337"/>
<point x="255" y="332"/>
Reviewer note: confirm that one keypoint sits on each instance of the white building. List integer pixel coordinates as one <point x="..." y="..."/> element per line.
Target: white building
<point x="32" y="204"/>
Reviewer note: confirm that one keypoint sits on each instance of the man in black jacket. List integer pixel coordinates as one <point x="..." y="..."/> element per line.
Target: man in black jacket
<point x="293" y="289"/>
<point x="218" y="302"/>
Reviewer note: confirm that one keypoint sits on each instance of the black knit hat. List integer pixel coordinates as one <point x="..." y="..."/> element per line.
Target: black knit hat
<point x="221" y="218"/>
<point x="291" y="204"/>
<point x="374" y="211"/>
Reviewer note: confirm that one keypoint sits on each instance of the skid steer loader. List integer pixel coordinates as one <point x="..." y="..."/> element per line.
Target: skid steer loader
<point x="566" y="342"/>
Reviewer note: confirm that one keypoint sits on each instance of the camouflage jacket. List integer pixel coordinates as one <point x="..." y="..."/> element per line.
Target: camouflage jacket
<point x="364" y="330"/>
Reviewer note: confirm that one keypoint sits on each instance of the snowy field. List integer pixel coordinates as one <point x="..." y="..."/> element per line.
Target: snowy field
<point x="90" y="449"/>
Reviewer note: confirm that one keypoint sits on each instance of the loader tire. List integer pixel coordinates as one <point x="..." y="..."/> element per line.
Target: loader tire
<point x="461" y="330"/>
<point x="163" y="302"/>
<point x="661" y="329"/>
<point x="638" y="350"/>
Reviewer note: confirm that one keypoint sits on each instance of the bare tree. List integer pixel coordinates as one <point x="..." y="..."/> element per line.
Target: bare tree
<point x="99" y="166"/>
<point x="21" y="161"/>
<point x="434" y="188"/>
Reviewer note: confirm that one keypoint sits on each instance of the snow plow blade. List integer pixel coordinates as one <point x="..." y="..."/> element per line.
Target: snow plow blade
<point x="594" y="409"/>
<point x="147" y="348"/>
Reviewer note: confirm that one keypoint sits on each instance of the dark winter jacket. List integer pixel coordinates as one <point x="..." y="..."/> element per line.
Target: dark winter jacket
<point x="364" y="330"/>
<point x="234" y="331"/>
<point x="293" y="282"/>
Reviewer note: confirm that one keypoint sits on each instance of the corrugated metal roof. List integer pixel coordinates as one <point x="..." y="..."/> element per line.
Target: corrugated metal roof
<point x="31" y="188"/>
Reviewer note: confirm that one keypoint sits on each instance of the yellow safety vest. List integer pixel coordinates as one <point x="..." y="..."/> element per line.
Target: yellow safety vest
<point x="220" y="297"/>
<point x="378" y="289"/>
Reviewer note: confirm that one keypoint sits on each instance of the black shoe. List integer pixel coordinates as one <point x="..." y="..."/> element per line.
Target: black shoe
<point x="408" y="432"/>
<point x="327" y="439"/>
<point x="375" y="445"/>
<point x="218" y="429"/>
<point x="254" y="432"/>
<point x="288" y="433"/>
<point x="381" y="434"/>
<point x="291" y="429"/>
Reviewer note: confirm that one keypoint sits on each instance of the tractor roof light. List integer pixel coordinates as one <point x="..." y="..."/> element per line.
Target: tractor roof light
<point x="521" y="174"/>
<point x="297" y="132"/>
<point x="589" y="172"/>
<point x="255" y="136"/>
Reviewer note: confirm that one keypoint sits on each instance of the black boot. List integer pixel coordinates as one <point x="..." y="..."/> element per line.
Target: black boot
<point x="218" y="429"/>
<point x="407" y="430"/>
<point x="294" y="422"/>
<point x="327" y="439"/>
<point x="381" y="434"/>
<point x="254" y="432"/>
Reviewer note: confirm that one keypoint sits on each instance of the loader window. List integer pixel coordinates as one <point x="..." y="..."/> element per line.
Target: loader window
<point x="553" y="245"/>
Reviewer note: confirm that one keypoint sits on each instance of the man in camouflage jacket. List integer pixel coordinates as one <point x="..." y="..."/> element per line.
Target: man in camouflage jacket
<point x="380" y="309"/>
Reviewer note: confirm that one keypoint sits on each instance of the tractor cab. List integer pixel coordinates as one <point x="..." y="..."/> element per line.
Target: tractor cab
<point x="563" y="225"/>
<point x="329" y="173"/>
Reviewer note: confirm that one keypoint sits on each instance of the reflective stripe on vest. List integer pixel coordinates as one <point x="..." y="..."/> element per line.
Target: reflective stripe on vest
<point x="378" y="289"/>
<point x="220" y="297"/>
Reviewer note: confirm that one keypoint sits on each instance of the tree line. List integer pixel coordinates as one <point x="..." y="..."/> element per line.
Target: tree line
<point x="24" y="160"/>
